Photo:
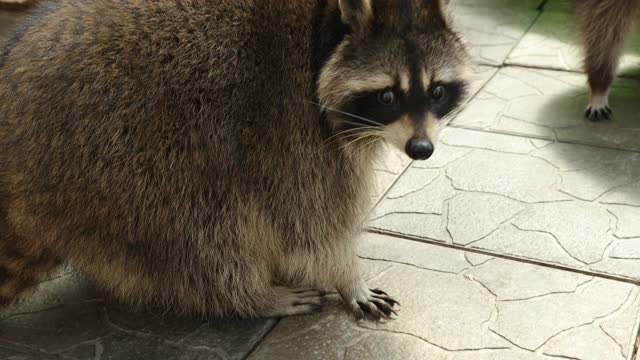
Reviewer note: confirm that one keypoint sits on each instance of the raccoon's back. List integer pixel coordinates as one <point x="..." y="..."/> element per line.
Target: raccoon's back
<point x="102" y="98"/>
<point x="114" y="78"/>
<point x="76" y="49"/>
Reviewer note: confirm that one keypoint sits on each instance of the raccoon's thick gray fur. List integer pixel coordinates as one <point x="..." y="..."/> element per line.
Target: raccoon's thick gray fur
<point x="213" y="157"/>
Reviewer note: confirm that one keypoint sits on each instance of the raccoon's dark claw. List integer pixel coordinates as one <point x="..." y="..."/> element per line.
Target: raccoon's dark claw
<point x="386" y="307"/>
<point x="379" y="292"/>
<point x="598" y="114"/>
<point x="358" y="312"/>
<point x="376" y="309"/>
<point x="391" y="301"/>
<point x="373" y="304"/>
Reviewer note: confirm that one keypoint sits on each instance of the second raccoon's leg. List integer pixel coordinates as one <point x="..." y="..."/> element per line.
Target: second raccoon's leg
<point x="604" y="26"/>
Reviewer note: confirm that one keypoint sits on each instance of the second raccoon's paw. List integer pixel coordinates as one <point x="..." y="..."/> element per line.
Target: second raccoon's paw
<point x="374" y="304"/>
<point x="298" y="302"/>
<point x="598" y="114"/>
<point x="598" y="109"/>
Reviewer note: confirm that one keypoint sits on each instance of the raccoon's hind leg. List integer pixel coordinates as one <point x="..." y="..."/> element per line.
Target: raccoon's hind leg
<point x="21" y="268"/>
<point x="604" y="26"/>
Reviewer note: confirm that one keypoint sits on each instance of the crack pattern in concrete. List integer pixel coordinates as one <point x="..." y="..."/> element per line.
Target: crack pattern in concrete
<point x="548" y="203"/>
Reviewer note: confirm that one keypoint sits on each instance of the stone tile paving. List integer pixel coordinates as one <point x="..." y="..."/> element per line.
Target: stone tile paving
<point x="69" y="319"/>
<point x="492" y="27"/>
<point x="518" y="240"/>
<point x="565" y="204"/>
<point x="553" y="43"/>
<point x="458" y="305"/>
<point x="550" y="105"/>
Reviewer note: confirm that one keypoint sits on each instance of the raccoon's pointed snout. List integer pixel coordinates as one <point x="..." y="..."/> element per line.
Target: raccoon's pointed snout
<point x="419" y="148"/>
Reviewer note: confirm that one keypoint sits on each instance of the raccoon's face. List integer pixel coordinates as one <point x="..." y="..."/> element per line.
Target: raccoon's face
<point x="397" y="75"/>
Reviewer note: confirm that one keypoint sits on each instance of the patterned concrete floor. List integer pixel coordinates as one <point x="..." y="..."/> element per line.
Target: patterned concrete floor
<point x="519" y="240"/>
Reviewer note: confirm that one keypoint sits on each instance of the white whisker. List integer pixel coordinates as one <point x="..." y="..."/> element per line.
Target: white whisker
<point x="345" y="113"/>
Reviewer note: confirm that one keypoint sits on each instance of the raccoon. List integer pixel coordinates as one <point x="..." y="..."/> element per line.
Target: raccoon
<point x="604" y="26"/>
<point x="214" y="157"/>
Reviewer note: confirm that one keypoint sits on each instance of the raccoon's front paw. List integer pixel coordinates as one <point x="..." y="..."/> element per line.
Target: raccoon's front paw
<point x="370" y="303"/>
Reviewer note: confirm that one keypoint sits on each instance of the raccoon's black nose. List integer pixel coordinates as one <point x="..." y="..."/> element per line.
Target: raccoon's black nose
<point x="419" y="149"/>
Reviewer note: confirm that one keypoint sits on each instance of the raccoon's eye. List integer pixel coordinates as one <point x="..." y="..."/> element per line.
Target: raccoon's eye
<point x="386" y="97"/>
<point x="438" y="93"/>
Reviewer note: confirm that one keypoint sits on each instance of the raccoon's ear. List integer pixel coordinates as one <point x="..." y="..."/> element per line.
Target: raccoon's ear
<point x="356" y="13"/>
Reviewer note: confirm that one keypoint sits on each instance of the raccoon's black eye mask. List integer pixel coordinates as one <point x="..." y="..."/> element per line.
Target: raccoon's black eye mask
<point x="387" y="105"/>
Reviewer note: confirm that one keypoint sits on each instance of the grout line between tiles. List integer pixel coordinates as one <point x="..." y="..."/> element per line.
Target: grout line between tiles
<point x="503" y="256"/>
<point x="537" y="67"/>
<point x="635" y="355"/>
<point x="531" y="136"/>
<point x="542" y="5"/>
<point x="535" y="20"/>
<point x="386" y="191"/>
<point x="507" y="64"/>
<point x="261" y="340"/>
